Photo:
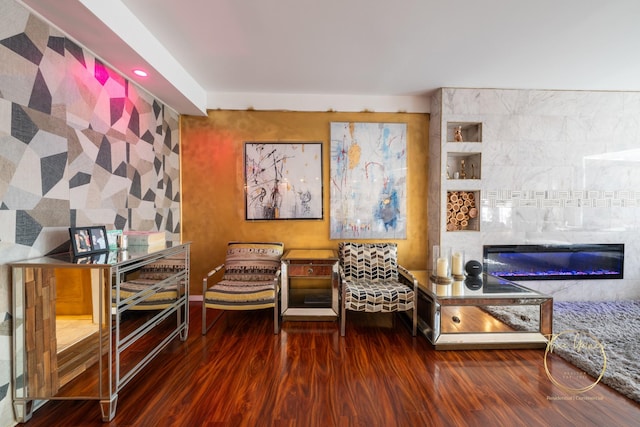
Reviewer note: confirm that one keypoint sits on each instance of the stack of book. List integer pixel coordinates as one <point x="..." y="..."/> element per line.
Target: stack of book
<point x="148" y="239"/>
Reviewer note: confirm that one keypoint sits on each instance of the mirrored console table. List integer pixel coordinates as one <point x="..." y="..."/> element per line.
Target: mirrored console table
<point x="84" y="327"/>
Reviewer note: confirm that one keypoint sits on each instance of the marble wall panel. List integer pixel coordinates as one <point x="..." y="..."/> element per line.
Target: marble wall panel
<point x="557" y="167"/>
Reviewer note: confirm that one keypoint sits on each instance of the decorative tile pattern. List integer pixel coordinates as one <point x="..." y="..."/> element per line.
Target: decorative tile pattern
<point x="561" y="199"/>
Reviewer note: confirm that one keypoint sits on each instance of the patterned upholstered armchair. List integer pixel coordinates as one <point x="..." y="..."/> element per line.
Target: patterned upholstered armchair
<point x="372" y="281"/>
<point x="250" y="281"/>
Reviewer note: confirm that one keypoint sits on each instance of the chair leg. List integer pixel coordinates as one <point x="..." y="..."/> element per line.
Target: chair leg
<point x="415" y="320"/>
<point x="204" y="316"/>
<point x="205" y="327"/>
<point x="343" y="318"/>
<point x="276" y="316"/>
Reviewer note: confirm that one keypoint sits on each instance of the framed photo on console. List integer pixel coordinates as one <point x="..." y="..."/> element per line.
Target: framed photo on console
<point x="88" y="240"/>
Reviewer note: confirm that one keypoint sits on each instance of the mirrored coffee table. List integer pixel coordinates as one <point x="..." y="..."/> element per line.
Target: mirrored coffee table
<point x="458" y="315"/>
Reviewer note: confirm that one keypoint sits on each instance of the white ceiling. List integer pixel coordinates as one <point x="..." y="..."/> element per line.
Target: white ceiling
<point x="354" y="54"/>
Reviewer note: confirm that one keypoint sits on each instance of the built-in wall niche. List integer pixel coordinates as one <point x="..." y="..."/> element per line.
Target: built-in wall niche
<point x="464" y="132"/>
<point x="464" y="166"/>
<point x="463" y="210"/>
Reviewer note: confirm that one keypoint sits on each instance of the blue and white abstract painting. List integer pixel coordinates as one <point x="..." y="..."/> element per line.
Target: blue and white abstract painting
<point x="368" y="188"/>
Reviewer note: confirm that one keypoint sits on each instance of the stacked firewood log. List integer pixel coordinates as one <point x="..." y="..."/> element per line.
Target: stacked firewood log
<point x="461" y="208"/>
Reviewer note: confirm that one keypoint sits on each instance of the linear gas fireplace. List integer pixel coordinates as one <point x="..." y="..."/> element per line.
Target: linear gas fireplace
<point x="555" y="262"/>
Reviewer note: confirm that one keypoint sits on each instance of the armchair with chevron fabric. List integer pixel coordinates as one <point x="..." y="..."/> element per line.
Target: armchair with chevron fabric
<point x="372" y="281"/>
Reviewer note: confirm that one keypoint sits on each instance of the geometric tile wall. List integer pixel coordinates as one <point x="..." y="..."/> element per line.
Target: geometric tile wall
<point x="79" y="145"/>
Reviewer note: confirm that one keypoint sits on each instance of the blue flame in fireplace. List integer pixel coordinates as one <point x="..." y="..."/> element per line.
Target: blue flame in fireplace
<point x="555" y="262"/>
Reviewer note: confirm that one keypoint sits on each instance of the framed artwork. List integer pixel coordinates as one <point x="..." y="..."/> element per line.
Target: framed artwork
<point x="368" y="183"/>
<point x="283" y="180"/>
<point x="88" y="240"/>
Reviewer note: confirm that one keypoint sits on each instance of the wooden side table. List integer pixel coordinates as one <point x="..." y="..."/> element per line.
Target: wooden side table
<point x="318" y="274"/>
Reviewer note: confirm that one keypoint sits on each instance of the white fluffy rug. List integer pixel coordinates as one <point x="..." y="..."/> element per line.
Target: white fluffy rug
<point x="616" y="324"/>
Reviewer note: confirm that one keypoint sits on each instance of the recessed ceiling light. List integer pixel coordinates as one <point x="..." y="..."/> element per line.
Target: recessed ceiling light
<point x="140" y="73"/>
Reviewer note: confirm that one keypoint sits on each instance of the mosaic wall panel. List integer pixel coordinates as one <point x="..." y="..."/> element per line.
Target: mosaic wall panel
<point x="79" y="145"/>
<point x="561" y="199"/>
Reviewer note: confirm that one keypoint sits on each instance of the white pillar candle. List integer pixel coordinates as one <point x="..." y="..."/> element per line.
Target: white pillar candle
<point x="456" y="263"/>
<point x="434" y="258"/>
<point x="443" y="290"/>
<point x="442" y="267"/>
<point x="457" y="288"/>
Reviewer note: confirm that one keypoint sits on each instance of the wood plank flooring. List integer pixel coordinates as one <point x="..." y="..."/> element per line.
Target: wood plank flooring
<point x="241" y="374"/>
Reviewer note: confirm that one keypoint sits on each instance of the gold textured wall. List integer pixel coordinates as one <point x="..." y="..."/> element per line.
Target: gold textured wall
<point x="213" y="208"/>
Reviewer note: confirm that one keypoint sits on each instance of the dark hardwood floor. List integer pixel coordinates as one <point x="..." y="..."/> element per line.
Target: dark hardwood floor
<point x="241" y="374"/>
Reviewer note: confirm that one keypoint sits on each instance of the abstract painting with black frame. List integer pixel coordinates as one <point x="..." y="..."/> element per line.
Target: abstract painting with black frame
<point x="88" y="240"/>
<point x="283" y="180"/>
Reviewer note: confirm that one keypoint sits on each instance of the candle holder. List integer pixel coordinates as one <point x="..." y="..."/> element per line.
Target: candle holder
<point x="441" y="273"/>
